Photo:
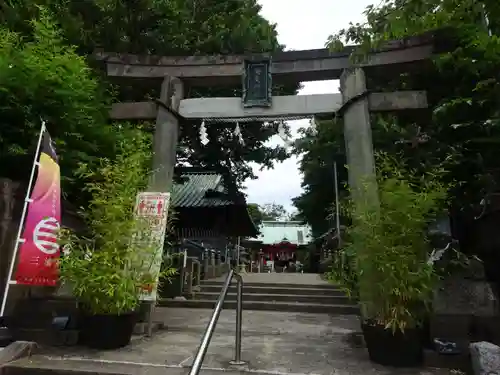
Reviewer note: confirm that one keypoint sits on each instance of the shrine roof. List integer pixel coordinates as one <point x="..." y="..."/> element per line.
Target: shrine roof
<point x="197" y="188"/>
<point x="274" y="232"/>
<point x="200" y="189"/>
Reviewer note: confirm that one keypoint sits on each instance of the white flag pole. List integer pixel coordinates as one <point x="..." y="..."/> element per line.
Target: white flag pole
<point x="20" y="240"/>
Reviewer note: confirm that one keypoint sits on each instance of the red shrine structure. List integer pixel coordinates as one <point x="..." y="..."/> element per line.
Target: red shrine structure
<point x="283" y="250"/>
<point x="278" y="243"/>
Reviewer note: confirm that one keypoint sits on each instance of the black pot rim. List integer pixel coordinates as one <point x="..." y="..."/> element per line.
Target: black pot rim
<point x="121" y="314"/>
<point x="373" y="323"/>
<point x="86" y="312"/>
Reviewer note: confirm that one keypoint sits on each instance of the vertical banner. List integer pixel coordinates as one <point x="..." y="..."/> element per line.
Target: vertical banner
<point x="39" y="251"/>
<point x="153" y="208"/>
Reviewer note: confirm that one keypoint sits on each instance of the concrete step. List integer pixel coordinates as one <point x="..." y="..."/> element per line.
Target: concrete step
<point x="292" y="298"/>
<point x="321" y="308"/>
<point x="262" y="289"/>
<point x="40" y="365"/>
<point x="275" y="285"/>
<point x="46" y="336"/>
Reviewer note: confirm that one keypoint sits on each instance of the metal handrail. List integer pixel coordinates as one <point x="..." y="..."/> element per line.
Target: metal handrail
<point x="207" y="336"/>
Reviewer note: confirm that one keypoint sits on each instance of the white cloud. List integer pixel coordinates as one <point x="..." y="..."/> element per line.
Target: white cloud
<point x="301" y="24"/>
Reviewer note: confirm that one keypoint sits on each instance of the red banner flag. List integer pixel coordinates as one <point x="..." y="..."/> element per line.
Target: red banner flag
<point x="39" y="251"/>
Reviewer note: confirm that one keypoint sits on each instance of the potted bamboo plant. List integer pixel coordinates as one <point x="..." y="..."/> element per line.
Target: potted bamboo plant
<point x="385" y="263"/>
<point x="107" y="269"/>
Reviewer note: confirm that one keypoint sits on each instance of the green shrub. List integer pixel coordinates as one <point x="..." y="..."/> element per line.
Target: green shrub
<point x="386" y="252"/>
<point x="43" y="78"/>
<point x="107" y="268"/>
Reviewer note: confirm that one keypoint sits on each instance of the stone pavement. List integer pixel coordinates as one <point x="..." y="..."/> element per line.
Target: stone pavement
<point x="273" y="342"/>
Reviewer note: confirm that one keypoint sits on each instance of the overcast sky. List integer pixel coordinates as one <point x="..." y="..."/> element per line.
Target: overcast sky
<point x="301" y="24"/>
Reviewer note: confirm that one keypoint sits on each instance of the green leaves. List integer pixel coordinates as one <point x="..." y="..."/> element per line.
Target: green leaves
<point x="319" y="151"/>
<point x="76" y="106"/>
<point x="108" y="267"/>
<point x="462" y="88"/>
<point x="385" y="255"/>
<point x="42" y="78"/>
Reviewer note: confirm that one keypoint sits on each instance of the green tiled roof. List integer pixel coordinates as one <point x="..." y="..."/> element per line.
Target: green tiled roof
<point x="193" y="191"/>
<point x="272" y="232"/>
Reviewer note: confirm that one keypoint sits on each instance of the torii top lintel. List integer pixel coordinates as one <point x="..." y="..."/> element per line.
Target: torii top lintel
<point x="286" y="67"/>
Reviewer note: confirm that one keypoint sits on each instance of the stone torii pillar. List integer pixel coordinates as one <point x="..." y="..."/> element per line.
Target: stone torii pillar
<point x="358" y="138"/>
<point x="165" y="148"/>
<point x="359" y="151"/>
<point x="360" y="158"/>
<point x="166" y="134"/>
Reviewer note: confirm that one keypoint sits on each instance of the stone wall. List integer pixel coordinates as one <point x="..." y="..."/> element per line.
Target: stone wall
<point x="465" y="308"/>
<point x="466" y="292"/>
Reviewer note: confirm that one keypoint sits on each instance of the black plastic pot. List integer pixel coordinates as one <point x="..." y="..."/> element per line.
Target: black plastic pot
<point x="107" y="331"/>
<point x="396" y="349"/>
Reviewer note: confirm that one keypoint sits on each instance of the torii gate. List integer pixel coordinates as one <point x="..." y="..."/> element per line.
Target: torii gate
<point x="354" y="102"/>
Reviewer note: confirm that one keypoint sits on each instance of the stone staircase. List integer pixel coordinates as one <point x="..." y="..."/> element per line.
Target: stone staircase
<point x="322" y="298"/>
